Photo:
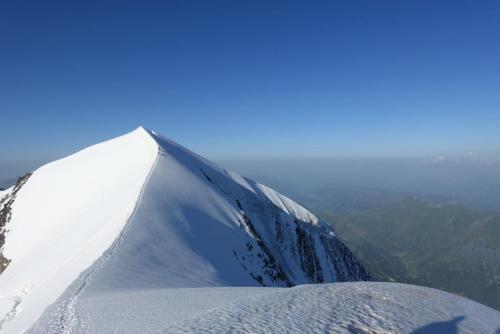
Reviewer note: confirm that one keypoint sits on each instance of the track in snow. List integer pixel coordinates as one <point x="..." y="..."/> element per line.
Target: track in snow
<point x="66" y="320"/>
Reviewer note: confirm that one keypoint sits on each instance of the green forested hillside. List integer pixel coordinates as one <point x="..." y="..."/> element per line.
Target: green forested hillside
<point x="445" y="246"/>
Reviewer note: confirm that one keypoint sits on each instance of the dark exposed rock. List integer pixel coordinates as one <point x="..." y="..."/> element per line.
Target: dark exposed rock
<point x="213" y="181"/>
<point x="258" y="278"/>
<point x="279" y="228"/>
<point x="292" y="239"/>
<point x="209" y="179"/>
<point x="309" y="261"/>
<point x="345" y="263"/>
<point x="5" y="215"/>
<point x="271" y="267"/>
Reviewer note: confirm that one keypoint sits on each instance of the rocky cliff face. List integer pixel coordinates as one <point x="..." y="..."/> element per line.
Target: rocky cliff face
<point x="6" y="202"/>
<point x="283" y="249"/>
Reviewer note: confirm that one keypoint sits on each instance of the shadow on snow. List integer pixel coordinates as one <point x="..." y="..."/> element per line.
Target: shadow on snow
<point x="441" y="327"/>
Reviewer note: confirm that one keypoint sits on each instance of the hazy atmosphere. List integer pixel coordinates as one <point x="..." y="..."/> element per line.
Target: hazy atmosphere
<point x="371" y="90"/>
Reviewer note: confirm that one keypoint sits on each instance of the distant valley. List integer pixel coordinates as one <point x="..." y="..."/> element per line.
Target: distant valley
<point x="430" y="241"/>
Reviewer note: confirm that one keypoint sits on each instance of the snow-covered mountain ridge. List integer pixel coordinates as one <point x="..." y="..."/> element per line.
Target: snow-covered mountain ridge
<point x="142" y="212"/>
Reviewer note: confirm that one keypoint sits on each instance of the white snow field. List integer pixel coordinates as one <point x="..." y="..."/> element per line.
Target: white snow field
<point x="354" y="307"/>
<point x="64" y="218"/>
<point x="140" y="235"/>
<point x="140" y="212"/>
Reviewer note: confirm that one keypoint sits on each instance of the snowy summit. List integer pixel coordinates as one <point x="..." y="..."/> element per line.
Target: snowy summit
<point x="139" y="234"/>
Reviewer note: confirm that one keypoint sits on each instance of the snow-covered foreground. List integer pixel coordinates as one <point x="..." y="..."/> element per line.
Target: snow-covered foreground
<point x="356" y="307"/>
<point x="147" y="311"/>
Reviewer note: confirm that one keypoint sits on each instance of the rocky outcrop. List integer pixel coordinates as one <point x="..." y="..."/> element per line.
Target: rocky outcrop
<point x="345" y="263"/>
<point x="309" y="260"/>
<point x="5" y="215"/>
<point x="284" y="250"/>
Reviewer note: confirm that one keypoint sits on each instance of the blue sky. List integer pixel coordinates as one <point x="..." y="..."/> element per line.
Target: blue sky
<point x="252" y="78"/>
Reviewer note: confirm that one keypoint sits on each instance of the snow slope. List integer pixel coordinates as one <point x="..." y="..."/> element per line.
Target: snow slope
<point x="140" y="212"/>
<point x="67" y="214"/>
<point x="148" y="310"/>
<point x="354" y="307"/>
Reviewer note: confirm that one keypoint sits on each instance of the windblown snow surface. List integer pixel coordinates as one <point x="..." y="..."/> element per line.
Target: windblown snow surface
<point x="360" y="307"/>
<point x="354" y="307"/>
<point x="142" y="213"/>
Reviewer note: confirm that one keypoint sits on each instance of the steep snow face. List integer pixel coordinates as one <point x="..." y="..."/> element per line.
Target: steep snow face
<point x="141" y="212"/>
<point x="197" y="225"/>
<point x="64" y="217"/>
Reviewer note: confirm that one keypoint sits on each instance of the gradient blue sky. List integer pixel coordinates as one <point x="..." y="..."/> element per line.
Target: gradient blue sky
<point x="252" y="78"/>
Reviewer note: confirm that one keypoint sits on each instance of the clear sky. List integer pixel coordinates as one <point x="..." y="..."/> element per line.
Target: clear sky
<point x="252" y="78"/>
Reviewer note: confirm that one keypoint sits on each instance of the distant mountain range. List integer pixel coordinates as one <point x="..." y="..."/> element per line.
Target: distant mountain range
<point x="445" y="246"/>
<point x="426" y="240"/>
